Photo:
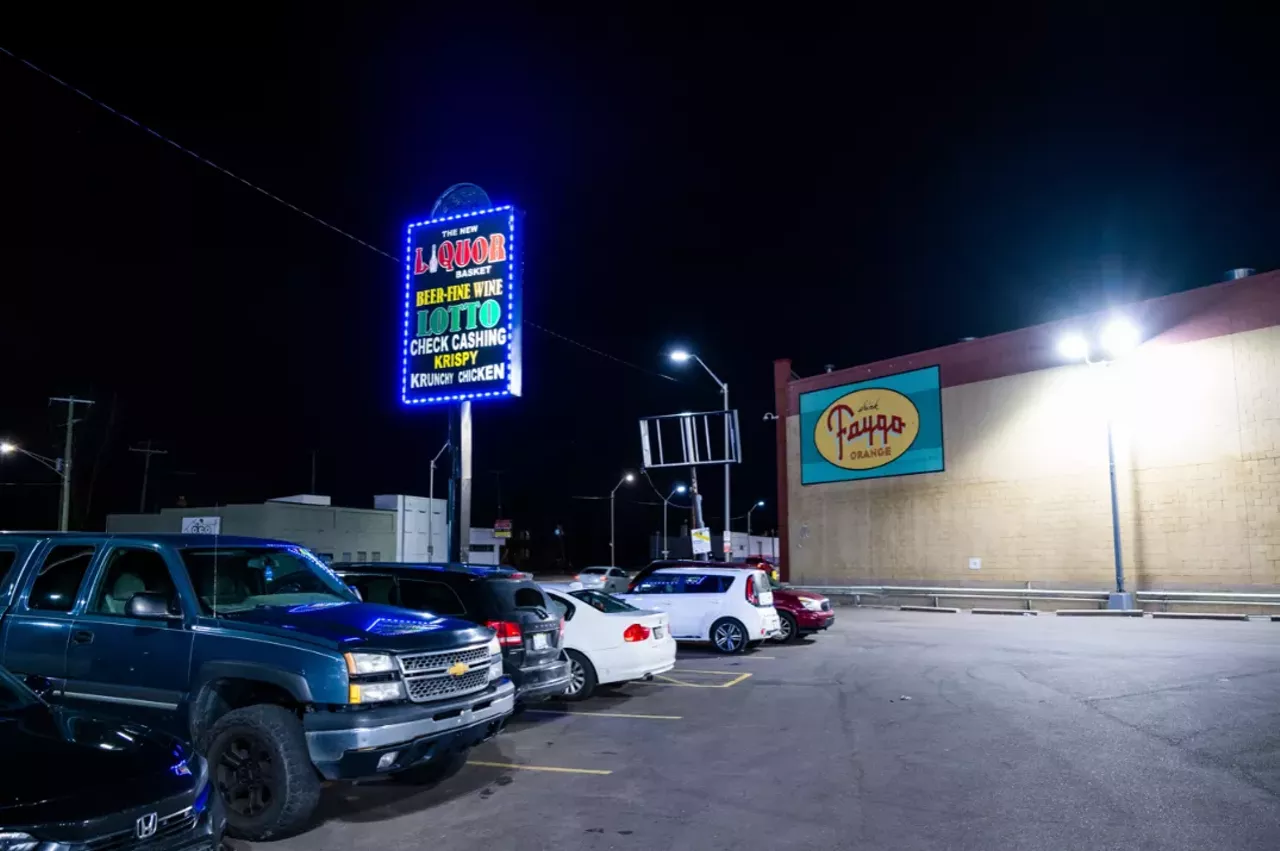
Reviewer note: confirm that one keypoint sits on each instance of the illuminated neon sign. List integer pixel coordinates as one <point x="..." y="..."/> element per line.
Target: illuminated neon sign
<point x="462" y="300"/>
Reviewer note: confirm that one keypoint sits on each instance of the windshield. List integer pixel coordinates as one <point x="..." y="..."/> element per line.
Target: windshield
<point x="13" y="694"/>
<point x="243" y="578"/>
<point x="603" y="602"/>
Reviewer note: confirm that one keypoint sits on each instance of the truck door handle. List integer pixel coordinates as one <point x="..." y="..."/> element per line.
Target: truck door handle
<point x="82" y="636"/>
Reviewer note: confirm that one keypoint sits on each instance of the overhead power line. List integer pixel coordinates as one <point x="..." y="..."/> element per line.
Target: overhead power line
<point x="274" y="197"/>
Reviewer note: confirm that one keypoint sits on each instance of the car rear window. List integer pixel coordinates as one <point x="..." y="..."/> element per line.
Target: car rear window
<point x="594" y="569"/>
<point x="707" y="583"/>
<point x="603" y="602"/>
<point x="518" y="594"/>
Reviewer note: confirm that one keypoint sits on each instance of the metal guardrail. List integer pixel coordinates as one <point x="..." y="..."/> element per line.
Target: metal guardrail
<point x="1026" y="595"/>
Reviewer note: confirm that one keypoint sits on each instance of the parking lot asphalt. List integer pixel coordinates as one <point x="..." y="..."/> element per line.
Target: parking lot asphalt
<point x="894" y="730"/>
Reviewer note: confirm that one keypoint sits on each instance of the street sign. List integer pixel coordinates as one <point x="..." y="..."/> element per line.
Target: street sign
<point x="728" y="543"/>
<point x="701" y="541"/>
<point x="462" y="305"/>
<point x="502" y="528"/>
<point x="202" y="525"/>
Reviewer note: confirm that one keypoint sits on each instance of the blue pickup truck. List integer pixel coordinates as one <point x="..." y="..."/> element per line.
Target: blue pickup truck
<point x="254" y="650"/>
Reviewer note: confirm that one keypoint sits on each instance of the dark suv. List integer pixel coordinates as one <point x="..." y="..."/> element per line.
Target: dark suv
<point x="506" y="601"/>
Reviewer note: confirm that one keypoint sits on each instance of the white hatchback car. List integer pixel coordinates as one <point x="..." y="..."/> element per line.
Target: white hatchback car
<point x="610" y="580"/>
<point x="729" y="607"/>
<point x="610" y="641"/>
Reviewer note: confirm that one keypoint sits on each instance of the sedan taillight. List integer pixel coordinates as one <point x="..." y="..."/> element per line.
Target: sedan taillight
<point x="636" y="632"/>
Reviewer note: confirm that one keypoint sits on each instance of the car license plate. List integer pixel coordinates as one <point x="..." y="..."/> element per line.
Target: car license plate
<point x="540" y="641"/>
<point x="658" y="632"/>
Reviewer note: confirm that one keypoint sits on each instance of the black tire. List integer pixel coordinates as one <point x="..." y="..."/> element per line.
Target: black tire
<point x="259" y="762"/>
<point x="790" y="629"/>
<point x="437" y="770"/>
<point x="581" y="669"/>
<point x="728" y="636"/>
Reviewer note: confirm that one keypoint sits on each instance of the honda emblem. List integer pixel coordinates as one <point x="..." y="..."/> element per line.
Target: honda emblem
<point x="146" y="826"/>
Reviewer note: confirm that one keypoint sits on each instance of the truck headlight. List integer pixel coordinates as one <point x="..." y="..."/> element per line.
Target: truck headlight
<point x="369" y="663"/>
<point x="495" y="659"/>
<point x="812" y="605"/>
<point x="375" y="692"/>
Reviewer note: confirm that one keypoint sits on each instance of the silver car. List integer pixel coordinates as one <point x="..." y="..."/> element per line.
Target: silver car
<point x="611" y="580"/>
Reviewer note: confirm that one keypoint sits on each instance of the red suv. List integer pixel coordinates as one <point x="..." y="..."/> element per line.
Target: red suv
<point x="801" y="612"/>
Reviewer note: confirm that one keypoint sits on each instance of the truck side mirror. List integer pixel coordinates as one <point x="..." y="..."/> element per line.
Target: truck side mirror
<point x="148" y="605"/>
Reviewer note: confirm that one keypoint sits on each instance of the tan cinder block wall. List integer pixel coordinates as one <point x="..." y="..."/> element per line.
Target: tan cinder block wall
<point x="1197" y="439"/>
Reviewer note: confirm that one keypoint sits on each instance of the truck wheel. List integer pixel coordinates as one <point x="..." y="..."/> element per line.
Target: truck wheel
<point x="582" y="677"/>
<point x="728" y="636"/>
<point x="259" y="762"/>
<point x="790" y="632"/>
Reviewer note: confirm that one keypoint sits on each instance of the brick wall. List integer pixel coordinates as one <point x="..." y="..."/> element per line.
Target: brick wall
<point x="1197" y="434"/>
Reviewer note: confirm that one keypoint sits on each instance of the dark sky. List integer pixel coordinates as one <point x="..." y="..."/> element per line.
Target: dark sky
<point x="834" y="191"/>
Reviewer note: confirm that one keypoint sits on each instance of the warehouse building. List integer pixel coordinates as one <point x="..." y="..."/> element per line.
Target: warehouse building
<point x="986" y="462"/>
<point x="398" y="528"/>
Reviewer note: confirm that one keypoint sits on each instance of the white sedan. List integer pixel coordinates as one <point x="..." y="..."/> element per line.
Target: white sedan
<point x="609" y="641"/>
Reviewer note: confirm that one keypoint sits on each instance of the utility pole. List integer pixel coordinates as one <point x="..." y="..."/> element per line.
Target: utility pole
<point x="147" y="452"/>
<point x="313" y="472"/>
<point x="64" y="513"/>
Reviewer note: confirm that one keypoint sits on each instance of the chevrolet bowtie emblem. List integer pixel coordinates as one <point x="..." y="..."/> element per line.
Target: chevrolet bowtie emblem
<point x="459" y="669"/>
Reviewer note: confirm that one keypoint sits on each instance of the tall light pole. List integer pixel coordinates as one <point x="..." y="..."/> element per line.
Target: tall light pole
<point x="1118" y="338"/>
<point x="666" y="503"/>
<point x="682" y="356"/>
<point x="55" y="464"/>
<point x="627" y="478"/>
<point x="431" y="505"/>
<point x="759" y="504"/>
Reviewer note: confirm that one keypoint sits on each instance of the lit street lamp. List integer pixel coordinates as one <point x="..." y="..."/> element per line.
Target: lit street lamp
<point x="682" y="356"/>
<point x="627" y="478"/>
<point x="759" y="504"/>
<point x="1117" y="339"/>
<point x="54" y="464"/>
<point x="666" y="503"/>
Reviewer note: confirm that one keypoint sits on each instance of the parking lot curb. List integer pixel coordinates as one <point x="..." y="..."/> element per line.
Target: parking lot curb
<point x="1114" y="613"/>
<point x="1004" y="611"/>
<point x="928" y="609"/>
<point x="1202" y="616"/>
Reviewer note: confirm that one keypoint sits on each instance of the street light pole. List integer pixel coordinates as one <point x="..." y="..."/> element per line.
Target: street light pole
<point x="626" y="477"/>
<point x="431" y="505"/>
<point x="758" y="504"/>
<point x="1117" y="339"/>
<point x="1115" y="508"/>
<point x="666" y="503"/>
<point x="679" y="356"/>
<point x="54" y="464"/>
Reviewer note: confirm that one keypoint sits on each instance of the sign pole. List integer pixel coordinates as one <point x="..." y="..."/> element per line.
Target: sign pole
<point x="458" y="513"/>
<point x="464" y="482"/>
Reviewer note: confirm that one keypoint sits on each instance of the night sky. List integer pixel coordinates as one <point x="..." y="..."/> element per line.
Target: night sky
<point x="833" y="191"/>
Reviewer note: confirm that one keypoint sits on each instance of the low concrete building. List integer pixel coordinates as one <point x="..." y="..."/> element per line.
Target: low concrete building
<point x="398" y="528"/>
<point x="1010" y="484"/>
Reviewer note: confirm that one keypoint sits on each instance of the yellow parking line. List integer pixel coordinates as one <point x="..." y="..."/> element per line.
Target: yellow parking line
<point x="696" y="671"/>
<point x="672" y="681"/>
<point x="597" y="771"/>
<point x="607" y="714"/>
